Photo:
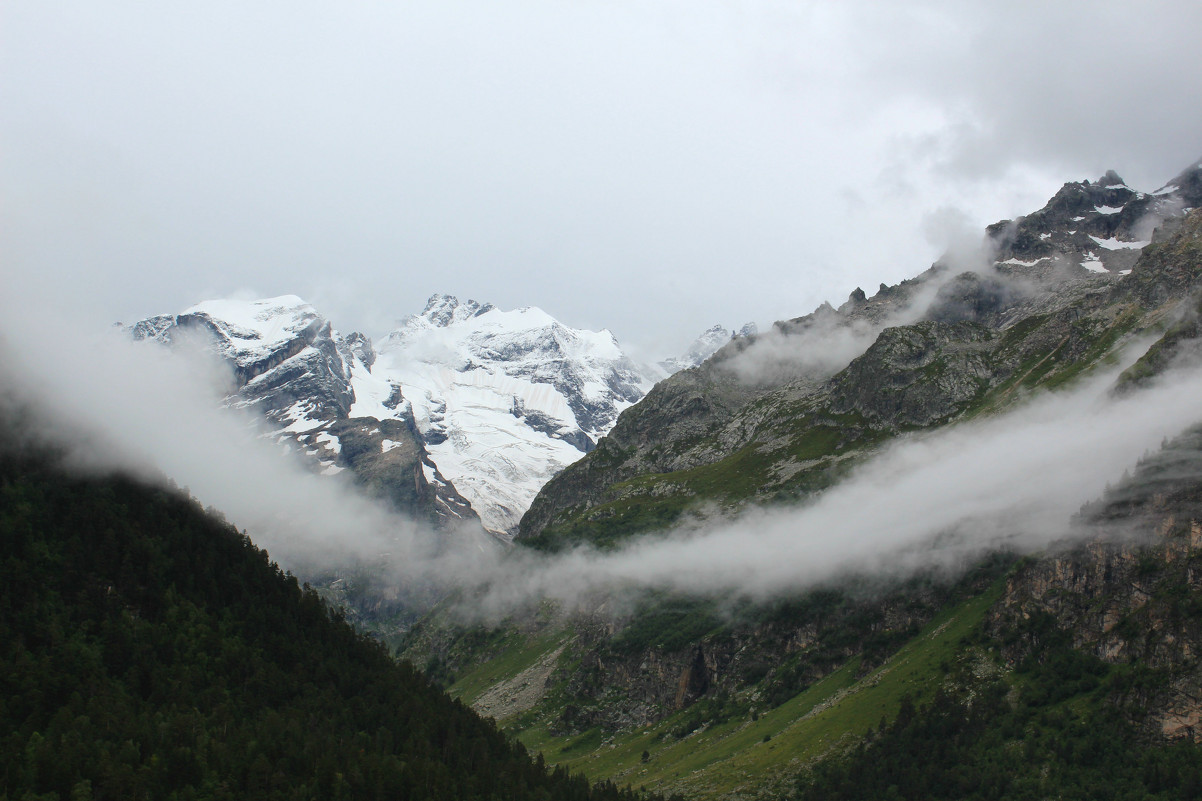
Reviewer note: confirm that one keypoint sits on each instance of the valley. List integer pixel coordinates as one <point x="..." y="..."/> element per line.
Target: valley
<point x="736" y="581"/>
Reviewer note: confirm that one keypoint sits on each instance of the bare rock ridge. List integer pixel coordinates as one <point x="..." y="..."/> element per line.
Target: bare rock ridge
<point x="777" y="411"/>
<point x="705" y="346"/>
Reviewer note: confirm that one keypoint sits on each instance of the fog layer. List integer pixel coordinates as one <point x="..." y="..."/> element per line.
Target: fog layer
<point x="1013" y="481"/>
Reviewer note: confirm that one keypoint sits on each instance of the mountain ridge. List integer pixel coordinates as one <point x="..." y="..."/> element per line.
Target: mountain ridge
<point x="481" y="405"/>
<point x="731" y="698"/>
<point x="1032" y="270"/>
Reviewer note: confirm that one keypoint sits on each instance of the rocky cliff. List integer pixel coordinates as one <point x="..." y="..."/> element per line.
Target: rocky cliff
<point x="1131" y="595"/>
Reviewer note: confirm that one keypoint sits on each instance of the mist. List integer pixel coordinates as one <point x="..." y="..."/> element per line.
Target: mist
<point x="821" y="344"/>
<point x="725" y="161"/>
<point x="110" y="404"/>
<point x="932" y="501"/>
<point x="929" y="502"/>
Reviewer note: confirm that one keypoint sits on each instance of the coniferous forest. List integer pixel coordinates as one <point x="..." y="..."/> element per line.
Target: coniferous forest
<point x="150" y="650"/>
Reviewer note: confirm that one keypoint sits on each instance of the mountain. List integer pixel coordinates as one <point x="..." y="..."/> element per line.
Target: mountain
<point x="502" y="399"/>
<point x="704" y="346"/>
<point x="149" y="650"/>
<point x="783" y="413"/>
<point x="1063" y="673"/>
<point x="460" y="414"/>
<point x="294" y="370"/>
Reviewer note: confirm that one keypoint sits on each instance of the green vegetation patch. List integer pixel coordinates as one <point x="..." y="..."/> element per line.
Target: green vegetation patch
<point x="763" y="747"/>
<point x="148" y="650"/>
<point x="517" y="653"/>
<point x="1049" y="731"/>
<point x="657" y="501"/>
<point x="668" y="624"/>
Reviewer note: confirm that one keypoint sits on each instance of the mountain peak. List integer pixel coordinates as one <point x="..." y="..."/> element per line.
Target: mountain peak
<point x="246" y="332"/>
<point x="502" y="399"/>
<point x="442" y="310"/>
<point x="701" y="349"/>
<point x="251" y="313"/>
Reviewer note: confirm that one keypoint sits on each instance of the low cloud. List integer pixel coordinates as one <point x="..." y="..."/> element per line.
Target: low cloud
<point x="115" y="405"/>
<point x="930" y="501"/>
<point x="936" y="501"/>
<point x="823" y="343"/>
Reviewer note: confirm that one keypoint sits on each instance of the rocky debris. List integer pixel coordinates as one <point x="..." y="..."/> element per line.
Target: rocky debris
<point x="521" y="692"/>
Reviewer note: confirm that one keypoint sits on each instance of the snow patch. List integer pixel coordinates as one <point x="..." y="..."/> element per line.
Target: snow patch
<point x="298" y="414"/>
<point x="1093" y="263"/>
<point x="388" y="444"/>
<point x="432" y="475"/>
<point x="1116" y="244"/>
<point x="250" y="330"/>
<point x="330" y="441"/>
<point x="1107" y="209"/>
<point x="499" y="396"/>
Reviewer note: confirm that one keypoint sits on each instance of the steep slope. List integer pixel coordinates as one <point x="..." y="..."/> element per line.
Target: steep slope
<point x="1082" y="678"/>
<point x="780" y="414"/>
<point x="150" y="651"/>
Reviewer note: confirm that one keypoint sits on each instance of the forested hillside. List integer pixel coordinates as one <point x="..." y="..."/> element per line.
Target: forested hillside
<point x="150" y="650"/>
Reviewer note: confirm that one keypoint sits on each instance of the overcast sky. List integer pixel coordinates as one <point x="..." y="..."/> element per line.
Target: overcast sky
<point x="652" y="167"/>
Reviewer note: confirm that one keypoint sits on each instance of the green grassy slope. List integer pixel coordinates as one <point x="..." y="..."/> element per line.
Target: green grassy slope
<point x="756" y="751"/>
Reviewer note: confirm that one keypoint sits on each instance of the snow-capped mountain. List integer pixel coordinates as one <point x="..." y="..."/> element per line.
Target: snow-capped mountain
<point x="503" y="399"/>
<point x="291" y="367"/>
<point x="705" y="346"/>
<point x="1096" y="226"/>
<point x="288" y="361"/>
<point x="463" y="410"/>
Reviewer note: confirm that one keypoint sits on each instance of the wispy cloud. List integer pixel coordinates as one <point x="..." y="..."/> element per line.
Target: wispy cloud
<point x="929" y="500"/>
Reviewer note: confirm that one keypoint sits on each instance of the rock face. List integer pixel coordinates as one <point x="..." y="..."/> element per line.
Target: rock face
<point x="462" y="398"/>
<point x="1098" y="226"/>
<point x="916" y="375"/>
<point x="778" y="414"/>
<point x="1125" y="600"/>
<point x="287" y="360"/>
<point x="290" y="366"/>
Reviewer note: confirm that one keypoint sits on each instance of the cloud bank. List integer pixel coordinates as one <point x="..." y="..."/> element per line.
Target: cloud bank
<point x="935" y="500"/>
<point x="688" y="162"/>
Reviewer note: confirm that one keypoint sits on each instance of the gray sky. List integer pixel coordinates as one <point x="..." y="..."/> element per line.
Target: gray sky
<point x="652" y="167"/>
